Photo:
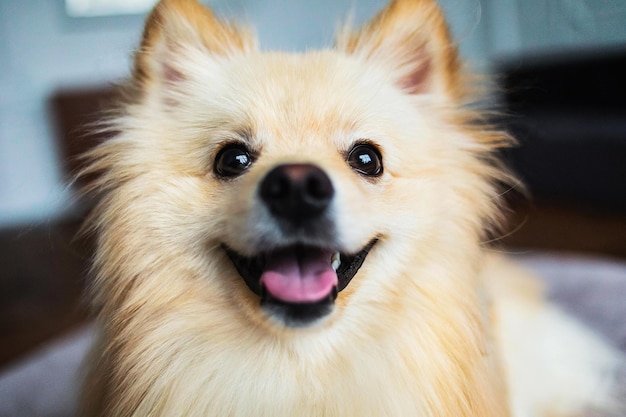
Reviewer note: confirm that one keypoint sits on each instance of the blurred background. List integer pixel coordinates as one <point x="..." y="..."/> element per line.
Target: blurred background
<point x="560" y="67"/>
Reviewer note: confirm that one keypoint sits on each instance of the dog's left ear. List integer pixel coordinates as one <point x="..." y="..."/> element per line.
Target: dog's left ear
<point x="176" y="28"/>
<point x="410" y="40"/>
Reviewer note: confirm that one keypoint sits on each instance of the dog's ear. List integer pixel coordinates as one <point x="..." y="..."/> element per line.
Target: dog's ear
<point x="176" y="28"/>
<point x="409" y="39"/>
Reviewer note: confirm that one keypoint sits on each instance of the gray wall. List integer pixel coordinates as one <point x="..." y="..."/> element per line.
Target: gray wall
<point x="42" y="50"/>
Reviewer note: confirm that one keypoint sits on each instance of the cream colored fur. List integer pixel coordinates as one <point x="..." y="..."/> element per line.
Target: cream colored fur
<point x="429" y="326"/>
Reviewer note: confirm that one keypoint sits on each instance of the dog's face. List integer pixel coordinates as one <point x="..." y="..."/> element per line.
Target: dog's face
<point x="307" y="179"/>
<point x="298" y="185"/>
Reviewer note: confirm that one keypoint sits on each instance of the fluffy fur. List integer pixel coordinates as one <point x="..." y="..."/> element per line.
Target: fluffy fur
<point x="431" y="325"/>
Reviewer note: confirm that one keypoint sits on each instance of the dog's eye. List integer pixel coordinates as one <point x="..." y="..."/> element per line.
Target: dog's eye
<point x="232" y="160"/>
<point x="365" y="159"/>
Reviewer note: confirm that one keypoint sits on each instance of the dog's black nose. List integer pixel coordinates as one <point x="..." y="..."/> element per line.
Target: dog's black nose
<point x="296" y="192"/>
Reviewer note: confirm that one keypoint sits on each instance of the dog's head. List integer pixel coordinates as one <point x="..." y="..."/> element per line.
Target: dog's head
<point x="293" y="185"/>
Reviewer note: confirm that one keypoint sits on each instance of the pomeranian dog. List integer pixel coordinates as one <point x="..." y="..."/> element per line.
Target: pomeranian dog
<point x="302" y="235"/>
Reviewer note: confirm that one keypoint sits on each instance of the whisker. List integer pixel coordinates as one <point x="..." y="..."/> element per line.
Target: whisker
<point x="509" y="233"/>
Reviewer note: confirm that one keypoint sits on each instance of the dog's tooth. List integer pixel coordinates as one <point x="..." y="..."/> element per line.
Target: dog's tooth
<point x="335" y="261"/>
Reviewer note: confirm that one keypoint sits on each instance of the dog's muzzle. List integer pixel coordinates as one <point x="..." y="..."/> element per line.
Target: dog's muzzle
<point x="299" y="281"/>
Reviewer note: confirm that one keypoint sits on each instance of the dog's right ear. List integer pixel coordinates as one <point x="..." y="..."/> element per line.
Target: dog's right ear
<point x="411" y="41"/>
<point x="177" y="28"/>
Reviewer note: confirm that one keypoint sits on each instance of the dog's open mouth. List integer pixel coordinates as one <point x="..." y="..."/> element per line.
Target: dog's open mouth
<point x="298" y="283"/>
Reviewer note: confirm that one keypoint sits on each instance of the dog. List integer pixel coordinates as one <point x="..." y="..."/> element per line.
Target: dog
<point x="303" y="235"/>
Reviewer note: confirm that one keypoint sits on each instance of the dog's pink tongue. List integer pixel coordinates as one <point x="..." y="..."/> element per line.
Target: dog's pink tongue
<point x="299" y="275"/>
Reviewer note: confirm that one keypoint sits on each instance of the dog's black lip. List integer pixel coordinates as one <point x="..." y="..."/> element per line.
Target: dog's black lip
<point x="297" y="314"/>
<point x="250" y="268"/>
<point x="350" y="265"/>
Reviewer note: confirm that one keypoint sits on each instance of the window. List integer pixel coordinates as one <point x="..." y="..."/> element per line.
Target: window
<point x="88" y="8"/>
